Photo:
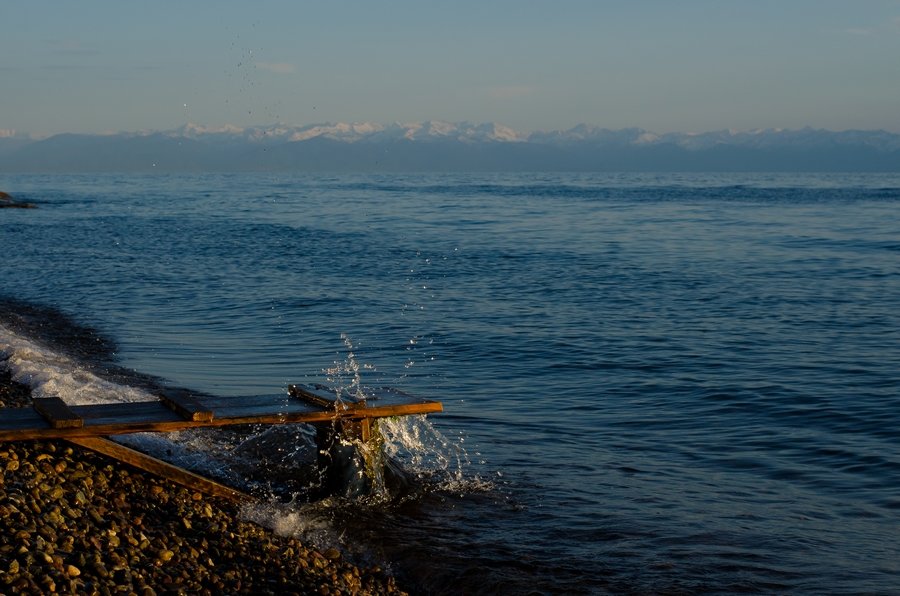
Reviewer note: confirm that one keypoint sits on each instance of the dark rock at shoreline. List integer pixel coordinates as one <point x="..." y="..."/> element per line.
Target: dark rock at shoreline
<point x="8" y="202"/>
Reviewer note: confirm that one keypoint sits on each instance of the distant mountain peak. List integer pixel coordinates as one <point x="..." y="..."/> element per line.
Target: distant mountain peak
<point x="352" y="132"/>
<point x="441" y="145"/>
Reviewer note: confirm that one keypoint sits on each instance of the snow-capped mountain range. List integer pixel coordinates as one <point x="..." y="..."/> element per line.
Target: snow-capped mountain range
<point x="352" y="132"/>
<point x="441" y="146"/>
<point x="491" y="132"/>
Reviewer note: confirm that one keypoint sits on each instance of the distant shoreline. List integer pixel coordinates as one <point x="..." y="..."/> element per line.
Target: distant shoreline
<point x="452" y="147"/>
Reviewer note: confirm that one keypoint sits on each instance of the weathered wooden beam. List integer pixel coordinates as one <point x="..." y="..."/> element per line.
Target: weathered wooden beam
<point x="119" y="419"/>
<point x="160" y="468"/>
<point x="57" y="412"/>
<point x="299" y="392"/>
<point x="187" y="407"/>
<point x="323" y="398"/>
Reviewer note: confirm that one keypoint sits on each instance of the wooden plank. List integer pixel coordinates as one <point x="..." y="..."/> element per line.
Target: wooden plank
<point x="239" y="406"/>
<point x="21" y="418"/>
<point x="304" y="393"/>
<point x="388" y="411"/>
<point x="141" y="411"/>
<point x="224" y="407"/>
<point x="57" y="412"/>
<point x="124" y="418"/>
<point x="258" y="404"/>
<point x="242" y="411"/>
<point x="161" y="468"/>
<point x="121" y="427"/>
<point x="186" y="406"/>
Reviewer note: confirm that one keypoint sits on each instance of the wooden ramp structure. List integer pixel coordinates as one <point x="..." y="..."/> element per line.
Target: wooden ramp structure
<point x="344" y="420"/>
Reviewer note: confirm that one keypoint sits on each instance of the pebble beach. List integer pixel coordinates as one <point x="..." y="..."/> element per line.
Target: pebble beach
<point x="74" y="522"/>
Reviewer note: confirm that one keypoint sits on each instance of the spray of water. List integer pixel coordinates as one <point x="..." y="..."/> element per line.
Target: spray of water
<point x="309" y="523"/>
<point x="412" y="449"/>
<point x="345" y="376"/>
<point x="438" y="463"/>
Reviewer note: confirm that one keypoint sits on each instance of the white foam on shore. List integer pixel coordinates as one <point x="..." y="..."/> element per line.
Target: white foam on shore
<point x="309" y="523"/>
<point x="48" y="373"/>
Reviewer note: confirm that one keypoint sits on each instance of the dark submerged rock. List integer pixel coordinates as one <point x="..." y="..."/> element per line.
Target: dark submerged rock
<point x="8" y="202"/>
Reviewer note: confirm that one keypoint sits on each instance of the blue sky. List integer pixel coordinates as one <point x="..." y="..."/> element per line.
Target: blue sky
<point x="664" y="65"/>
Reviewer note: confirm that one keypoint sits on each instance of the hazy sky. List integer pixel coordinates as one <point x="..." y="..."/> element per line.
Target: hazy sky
<point x="664" y="65"/>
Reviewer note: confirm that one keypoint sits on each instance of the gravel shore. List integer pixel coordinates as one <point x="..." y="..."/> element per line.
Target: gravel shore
<point x="74" y="522"/>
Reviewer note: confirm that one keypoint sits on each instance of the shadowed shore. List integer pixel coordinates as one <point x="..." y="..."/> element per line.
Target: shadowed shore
<point x="72" y="521"/>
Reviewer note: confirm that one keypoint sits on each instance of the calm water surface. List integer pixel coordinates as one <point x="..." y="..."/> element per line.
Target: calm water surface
<point x="674" y="383"/>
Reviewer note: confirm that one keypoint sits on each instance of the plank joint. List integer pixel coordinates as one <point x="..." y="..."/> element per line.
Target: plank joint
<point x="57" y="412"/>
<point x="187" y="407"/>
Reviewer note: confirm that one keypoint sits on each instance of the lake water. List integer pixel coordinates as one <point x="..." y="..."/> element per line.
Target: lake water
<point x="652" y="383"/>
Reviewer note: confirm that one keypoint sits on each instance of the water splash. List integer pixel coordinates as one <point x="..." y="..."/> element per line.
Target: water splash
<point x="308" y="522"/>
<point x="433" y="463"/>
<point x="421" y="449"/>
<point x="346" y="375"/>
<point x="412" y="450"/>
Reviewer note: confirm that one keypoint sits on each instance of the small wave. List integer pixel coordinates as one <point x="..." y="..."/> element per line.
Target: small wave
<point x="50" y="373"/>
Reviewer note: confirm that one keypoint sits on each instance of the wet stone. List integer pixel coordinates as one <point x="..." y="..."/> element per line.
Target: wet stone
<point x="166" y="556"/>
